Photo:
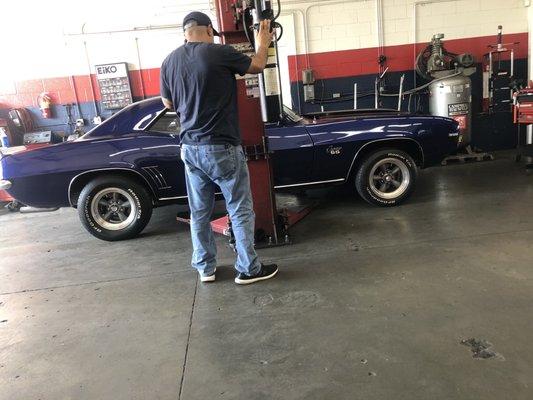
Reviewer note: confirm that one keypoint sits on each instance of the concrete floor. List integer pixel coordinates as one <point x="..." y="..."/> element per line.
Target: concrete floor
<point x="370" y="303"/>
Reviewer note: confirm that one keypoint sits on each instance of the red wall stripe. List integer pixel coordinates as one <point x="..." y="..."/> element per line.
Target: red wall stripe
<point x="339" y="64"/>
<point x="63" y="90"/>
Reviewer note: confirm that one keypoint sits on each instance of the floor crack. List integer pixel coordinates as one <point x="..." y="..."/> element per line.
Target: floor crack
<point x="188" y="339"/>
<point x="93" y="282"/>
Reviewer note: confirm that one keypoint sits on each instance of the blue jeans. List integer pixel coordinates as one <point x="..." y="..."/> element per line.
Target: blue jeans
<point x="206" y="167"/>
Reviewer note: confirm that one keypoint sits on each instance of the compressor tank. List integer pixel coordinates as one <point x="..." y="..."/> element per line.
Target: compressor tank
<point x="452" y="97"/>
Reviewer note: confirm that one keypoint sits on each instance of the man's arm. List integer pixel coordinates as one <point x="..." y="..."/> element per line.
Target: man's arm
<point x="167" y="103"/>
<point x="164" y="88"/>
<point x="263" y="39"/>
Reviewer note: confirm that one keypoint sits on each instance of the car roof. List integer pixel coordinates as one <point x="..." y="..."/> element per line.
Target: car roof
<point x="122" y="121"/>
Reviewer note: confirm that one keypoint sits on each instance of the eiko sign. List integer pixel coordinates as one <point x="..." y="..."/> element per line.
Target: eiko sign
<point x="107" y="71"/>
<point x="114" y="83"/>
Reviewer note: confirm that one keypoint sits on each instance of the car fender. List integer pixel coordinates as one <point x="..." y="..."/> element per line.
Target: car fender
<point x="390" y="139"/>
<point x="110" y="169"/>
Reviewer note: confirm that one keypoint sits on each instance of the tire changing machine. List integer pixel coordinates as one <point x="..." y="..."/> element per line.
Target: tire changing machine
<point x="259" y="101"/>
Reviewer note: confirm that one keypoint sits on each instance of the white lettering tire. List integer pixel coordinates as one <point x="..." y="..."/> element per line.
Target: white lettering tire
<point x="114" y="208"/>
<point x="386" y="177"/>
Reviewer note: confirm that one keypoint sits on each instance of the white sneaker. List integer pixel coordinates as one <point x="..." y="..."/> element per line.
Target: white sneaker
<point x="207" y="278"/>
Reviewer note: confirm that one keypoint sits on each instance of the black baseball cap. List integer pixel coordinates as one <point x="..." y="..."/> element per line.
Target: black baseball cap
<point x="200" y="18"/>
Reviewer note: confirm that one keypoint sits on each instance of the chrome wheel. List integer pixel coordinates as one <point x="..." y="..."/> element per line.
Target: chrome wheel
<point x="113" y="208"/>
<point x="389" y="178"/>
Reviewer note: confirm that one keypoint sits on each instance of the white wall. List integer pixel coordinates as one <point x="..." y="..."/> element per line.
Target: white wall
<point x="353" y="24"/>
<point x="49" y="44"/>
<point x="46" y="46"/>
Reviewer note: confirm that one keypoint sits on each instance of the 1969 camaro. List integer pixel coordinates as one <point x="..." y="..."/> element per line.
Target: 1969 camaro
<point x="117" y="172"/>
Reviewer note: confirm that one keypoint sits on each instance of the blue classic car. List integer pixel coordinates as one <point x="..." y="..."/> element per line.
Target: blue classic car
<point x="116" y="173"/>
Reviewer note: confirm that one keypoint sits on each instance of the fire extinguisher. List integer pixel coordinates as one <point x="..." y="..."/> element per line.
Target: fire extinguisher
<point x="45" y="101"/>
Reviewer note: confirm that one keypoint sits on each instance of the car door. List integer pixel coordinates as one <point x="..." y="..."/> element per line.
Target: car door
<point x="292" y="154"/>
<point x="161" y="161"/>
<point x="335" y="143"/>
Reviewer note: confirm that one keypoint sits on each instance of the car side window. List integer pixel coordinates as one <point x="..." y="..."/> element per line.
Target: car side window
<point x="168" y="123"/>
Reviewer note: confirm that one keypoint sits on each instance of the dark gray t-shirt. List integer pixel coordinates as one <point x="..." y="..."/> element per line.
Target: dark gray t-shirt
<point x="199" y="78"/>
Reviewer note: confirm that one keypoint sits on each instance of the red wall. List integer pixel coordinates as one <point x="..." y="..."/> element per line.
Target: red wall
<point x="338" y="64"/>
<point x="65" y="89"/>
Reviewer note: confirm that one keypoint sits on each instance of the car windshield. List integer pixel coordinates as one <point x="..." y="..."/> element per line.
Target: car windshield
<point x="291" y="114"/>
<point x="168" y="121"/>
<point x="165" y="121"/>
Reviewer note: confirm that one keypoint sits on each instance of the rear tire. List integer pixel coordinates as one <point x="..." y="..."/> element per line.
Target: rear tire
<point x="114" y="208"/>
<point x="386" y="178"/>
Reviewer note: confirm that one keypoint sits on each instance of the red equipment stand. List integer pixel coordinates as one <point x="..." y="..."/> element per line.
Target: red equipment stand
<point x="523" y="115"/>
<point x="5" y="197"/>
<point x="271" y="226"/>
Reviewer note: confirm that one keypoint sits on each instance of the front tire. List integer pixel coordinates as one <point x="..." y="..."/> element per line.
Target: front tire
<point x="386" y="177"/>
<point x="114" y="208"/>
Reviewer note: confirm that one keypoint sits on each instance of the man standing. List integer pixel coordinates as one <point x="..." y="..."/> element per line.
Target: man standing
<point x="198" y="81"/>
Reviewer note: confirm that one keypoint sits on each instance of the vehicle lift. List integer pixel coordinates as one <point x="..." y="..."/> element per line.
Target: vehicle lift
<point x="237" y="20"/>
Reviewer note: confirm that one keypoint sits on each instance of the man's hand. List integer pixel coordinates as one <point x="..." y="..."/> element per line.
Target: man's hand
<point x="264" y="36"/>
<point x="262" y="41"/>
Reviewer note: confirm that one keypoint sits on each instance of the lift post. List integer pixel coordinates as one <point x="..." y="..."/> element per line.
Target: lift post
<point x="268" y="223"/>
<point x="259" y="101"/>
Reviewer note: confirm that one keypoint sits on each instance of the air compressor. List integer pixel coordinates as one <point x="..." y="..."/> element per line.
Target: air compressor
<point x="450" y="92"/>
<point x="452" y="97"/>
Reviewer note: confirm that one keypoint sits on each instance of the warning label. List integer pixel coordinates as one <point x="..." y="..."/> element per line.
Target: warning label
<point x="458" y="109"/>
<point x="271" y="81"/>
<point x="251" y="80"/>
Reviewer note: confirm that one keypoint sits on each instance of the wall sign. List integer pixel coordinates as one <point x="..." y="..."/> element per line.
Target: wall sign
<point x="114" y="83"/>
